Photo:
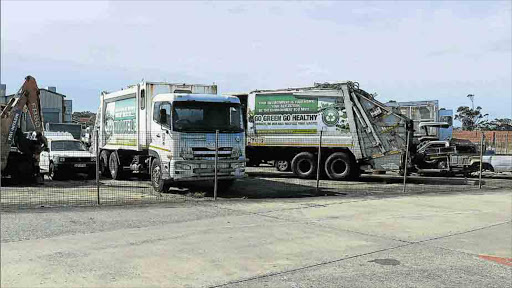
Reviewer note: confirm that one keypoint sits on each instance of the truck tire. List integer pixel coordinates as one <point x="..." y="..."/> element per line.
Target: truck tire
<point x="114" y="167"/>
<point x="282" y="165"/>
<point x="104" y="157"/>
<point x="338" y="166"/>
<point x="304" y="165"/>
<point x="157" y="182"/>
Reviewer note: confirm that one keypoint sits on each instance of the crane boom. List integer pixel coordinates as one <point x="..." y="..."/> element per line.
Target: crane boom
<point x="28" y="96"/>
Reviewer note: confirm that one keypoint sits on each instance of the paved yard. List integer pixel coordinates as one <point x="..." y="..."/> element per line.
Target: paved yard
<point x="428" y="240"/>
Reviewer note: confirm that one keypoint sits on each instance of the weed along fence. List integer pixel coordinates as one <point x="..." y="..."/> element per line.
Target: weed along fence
<point x="211" y="167"/>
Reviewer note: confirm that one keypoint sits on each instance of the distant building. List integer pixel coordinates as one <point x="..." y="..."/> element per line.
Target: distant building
<point x="68" y="111"/>
<point x="53" y="106"/>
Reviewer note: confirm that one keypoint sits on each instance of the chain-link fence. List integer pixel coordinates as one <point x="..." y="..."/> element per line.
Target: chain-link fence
<point x="117" y="170"/>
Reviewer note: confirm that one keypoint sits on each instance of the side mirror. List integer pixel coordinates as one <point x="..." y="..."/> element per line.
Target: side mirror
<point x="163" y="116"/>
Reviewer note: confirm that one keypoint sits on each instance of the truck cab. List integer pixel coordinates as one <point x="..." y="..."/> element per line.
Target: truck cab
<point x="183" y="137"/>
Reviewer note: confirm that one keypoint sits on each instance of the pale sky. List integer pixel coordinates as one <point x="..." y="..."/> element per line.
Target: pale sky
<point x="404" y="51"/>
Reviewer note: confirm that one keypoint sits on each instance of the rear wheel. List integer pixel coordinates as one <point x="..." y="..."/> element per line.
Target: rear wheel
<point x="104" y="169"/>
<point x="338" y="166"/>
<point x="114" y="167"/>
<point x="157" y="182"/>
<point x="283" y="165"/>
<point x="304" y="165"/>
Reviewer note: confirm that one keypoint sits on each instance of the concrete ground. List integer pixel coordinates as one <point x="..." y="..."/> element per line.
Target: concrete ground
<point x="441" y="239"/>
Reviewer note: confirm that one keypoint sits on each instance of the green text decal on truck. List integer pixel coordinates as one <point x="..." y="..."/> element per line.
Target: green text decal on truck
<point x="120" y="121"/>
<point x="287" y="113"/>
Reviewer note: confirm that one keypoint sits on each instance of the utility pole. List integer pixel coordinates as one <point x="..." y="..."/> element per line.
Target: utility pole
<point x="472" y="97"/>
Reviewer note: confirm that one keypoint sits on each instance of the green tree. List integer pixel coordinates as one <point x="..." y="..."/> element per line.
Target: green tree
<point x="470" y="118"/>
<point x="498" y="124"/>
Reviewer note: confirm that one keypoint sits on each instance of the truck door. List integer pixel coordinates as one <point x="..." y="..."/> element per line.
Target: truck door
<point x="161" y="124"/>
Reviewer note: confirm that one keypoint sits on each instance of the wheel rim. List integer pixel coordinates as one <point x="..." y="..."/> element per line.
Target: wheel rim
<point x="304" y="166"/>
<point x="338" y="167"/>
<point x="156" y="176"/>
<point x="282" y="165"/>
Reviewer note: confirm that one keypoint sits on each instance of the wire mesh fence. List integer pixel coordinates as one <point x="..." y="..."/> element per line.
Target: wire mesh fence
<point x="178" y="167"/>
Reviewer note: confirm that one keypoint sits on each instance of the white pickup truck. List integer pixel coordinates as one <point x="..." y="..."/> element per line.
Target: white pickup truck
<point x="495" y="163"/>
<point x="66" y="155"/>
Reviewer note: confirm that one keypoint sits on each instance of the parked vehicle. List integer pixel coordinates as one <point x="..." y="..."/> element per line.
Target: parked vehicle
<point x="449" y="157"/>
<point x="358" y="132"/>
<point x="66" y="156"/>
<point x="494" y="163"/>
<point x="74" y="129"/>
<point x="169" y="131"/>
<point x="19" y="154"/>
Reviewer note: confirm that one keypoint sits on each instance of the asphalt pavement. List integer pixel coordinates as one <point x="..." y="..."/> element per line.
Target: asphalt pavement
<point x="428" y="240"/>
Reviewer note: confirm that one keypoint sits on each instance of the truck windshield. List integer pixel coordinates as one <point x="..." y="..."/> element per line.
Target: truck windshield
<point x="207" y="117"/>
<point x="67" y="146"/>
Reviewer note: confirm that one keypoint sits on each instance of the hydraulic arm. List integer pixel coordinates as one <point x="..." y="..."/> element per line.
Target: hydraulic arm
<point x="28" y="96"/>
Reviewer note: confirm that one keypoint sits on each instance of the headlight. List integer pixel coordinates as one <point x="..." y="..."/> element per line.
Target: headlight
<point x="62" y="159"/>
<point x="93" y="159"/>
<point x="181" y="166"/>
<point x="237" y="165"/>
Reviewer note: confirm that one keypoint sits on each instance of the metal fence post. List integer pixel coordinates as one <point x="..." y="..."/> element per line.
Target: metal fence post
<point x="215" y="168"/>
<point x="506" y="143"/>
<point x="96" y="147"/>
<point x="406" y="158"/>
<point x="481" y="160"/>
<point x="319" y="161"/>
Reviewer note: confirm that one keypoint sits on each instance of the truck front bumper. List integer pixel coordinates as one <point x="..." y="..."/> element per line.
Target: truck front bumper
<point x="187" y="170"/>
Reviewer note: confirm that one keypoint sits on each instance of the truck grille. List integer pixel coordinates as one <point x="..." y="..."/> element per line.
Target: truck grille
<point x="77" y="159"/>
<point x="207" y="152"/>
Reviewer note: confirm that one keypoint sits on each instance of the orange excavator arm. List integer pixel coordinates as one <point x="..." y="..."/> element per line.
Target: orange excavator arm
<point x="28" y="95"/>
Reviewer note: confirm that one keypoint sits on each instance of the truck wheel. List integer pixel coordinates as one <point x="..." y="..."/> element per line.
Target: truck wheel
<point x="104" y="157"/>
<point x="113" y="165"/>
<point x="157" y="182"/>
<point x="282" y="165"/>
<point x="304" y="165"/>
<point x="338" y="166"/>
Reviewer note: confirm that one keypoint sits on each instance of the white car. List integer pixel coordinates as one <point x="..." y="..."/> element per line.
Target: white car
<point x="497" y="163"/>
<point x="66" y="155"/>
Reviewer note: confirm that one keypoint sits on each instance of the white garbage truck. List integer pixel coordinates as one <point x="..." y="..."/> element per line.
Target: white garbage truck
<point x="172" y="132"/>
<point x="354" y="130"/>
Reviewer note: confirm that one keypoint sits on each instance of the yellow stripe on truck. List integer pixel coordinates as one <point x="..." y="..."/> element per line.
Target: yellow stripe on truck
<point x="159" y="148"/>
